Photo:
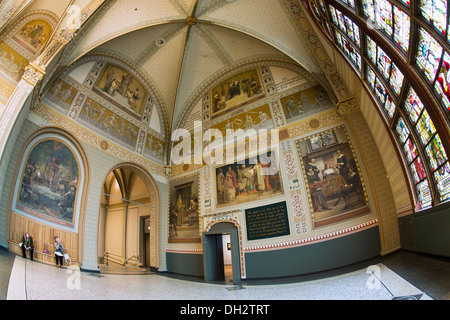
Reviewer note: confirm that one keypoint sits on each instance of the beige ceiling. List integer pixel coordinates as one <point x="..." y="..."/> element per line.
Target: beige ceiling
<point x="227" y="34"/>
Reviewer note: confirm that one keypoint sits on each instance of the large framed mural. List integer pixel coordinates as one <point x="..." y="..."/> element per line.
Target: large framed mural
<point x="121" y="88"/>
<point x="236" y="91"/>
<point x="48" y="186"/>
<point x="336" y="189"/>
<point x="184" y="210"/>
<point x="252" y="179"/>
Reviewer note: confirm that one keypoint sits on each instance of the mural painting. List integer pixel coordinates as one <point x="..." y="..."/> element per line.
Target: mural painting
<point x="305" y="103"/>
<point x="61" y="94"/>
<point x="242" y="88"/>
<point x="33" y="35"/>
<point x="184" y="221"/>
<point x="49" y="182"/>
<point x="335" y="185"/>
<point x="257" y="118"/>
<point x="256" y="178"/>
<point x="11" y="62"/>
<point x="104" y="121"/>
<point x="121" y="88"/>
<point x="154" y="147"/>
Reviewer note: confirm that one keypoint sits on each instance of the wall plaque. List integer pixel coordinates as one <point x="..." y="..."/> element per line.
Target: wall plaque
<point x="267" y="222"/>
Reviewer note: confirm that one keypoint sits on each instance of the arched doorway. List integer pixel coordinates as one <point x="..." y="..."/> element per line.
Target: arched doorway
<point x="221" y="253"/>
<point x="127" y="238"/>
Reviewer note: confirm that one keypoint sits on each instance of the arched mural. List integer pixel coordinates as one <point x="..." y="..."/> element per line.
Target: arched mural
<point x="50" y="181"/>
<point x="109" y="98"/>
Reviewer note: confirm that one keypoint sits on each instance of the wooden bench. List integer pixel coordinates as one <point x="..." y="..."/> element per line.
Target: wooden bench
<point x="47" y="258"/>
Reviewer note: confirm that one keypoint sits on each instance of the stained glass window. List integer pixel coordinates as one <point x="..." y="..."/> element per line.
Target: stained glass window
<point x="402" y="26"/>
<point x="429" y="138"/>
<point x="372" y="50"/>
<point x="413" y="105"/>
<point x="425" y="128"/>
<point x="392" y="20"/>
<point x="442" y="177"/>
<point x="415" y="164"/>
<point x="390" y="107"/>
<point x="424" y="195"/>
<point x="384" y="63"/>
<point x="349" y="50"/>
<point x="396" y="80"/>
<point x="346" y="25"/>
<point x="351" y="3"/>
<point x="380" y="91"/>
<point x="428" y="55"/>
<point x="435" y="11"/>
<point x="370" y="77"/>
<point x="442" y="84"/>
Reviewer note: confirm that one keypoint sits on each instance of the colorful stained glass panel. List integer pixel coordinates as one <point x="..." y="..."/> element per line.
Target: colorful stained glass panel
<point x="390" y="107"/>
<point x="402" y="27"/>
<point x="435" y="11"/>
<point x="413" y="105"/>
<point x="424" y="196"/>
<point x="425" y="127"/>
<point x="384" y="63"/>
<point x="442" y="177"/>
<point x="442" y="84"/>
<point x="402" y="130"/>
<point x="429" y="54"/>
<point x="396" y="80"/>
<point x="436" y="153"/>
<point x="418" y="170"/>
<point x="410" y="150"/>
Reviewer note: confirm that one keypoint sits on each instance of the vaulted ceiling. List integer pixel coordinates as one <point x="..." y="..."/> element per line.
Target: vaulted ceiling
<point x="182" y="46"/>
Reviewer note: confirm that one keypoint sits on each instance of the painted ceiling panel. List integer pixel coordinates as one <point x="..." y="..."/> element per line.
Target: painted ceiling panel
<point x="120" y="17"/>
<point x="163" y="69"/>
<point x="268" y="20"/>
<point x="139" y="45"/>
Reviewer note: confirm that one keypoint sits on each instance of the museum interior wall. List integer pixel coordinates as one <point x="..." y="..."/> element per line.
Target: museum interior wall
<point x="93" y="160"/>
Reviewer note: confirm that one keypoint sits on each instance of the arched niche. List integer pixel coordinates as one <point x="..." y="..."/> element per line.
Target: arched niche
<point x="128" y="232"/>
<point x="49" y="194"/>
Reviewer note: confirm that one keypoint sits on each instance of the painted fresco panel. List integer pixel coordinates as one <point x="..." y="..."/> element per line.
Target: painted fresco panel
<point x="335" y="186"/>
<point x="33" y="35"/>
<point x="104" y="121"/>
<point x="121" y="88"/>
<point x="305" y="103"/>
<point x="184" y="211"/>
<point x="236" y="91"/>
<point x="255" y="178"/>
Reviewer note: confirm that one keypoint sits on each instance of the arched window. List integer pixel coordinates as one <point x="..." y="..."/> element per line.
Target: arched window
<point x="391" y="45"/>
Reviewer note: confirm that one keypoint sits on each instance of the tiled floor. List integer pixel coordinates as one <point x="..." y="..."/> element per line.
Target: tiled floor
<point x="397" y="275"/>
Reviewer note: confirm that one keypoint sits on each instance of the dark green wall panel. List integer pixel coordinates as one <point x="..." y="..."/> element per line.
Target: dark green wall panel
<point x="316" y="257"/>
<point x="185" y="264"/>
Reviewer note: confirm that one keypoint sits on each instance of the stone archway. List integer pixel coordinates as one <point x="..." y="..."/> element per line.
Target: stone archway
<point x="128" y="233"/>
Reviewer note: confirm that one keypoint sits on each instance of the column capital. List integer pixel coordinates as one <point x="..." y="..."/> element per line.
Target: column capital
<point x="33" y="74"/>
<point x="347" y="106"/>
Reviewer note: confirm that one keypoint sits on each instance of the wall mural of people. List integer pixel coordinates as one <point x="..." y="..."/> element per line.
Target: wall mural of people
<point x="33" y="35"/>
<point x="240" y="89"/>
<point x="50" y="181"/>
<point x="335" y="185"/>
<point x="305" y="102"/>
<point x="184" y="210"/>
<point x="256" y="178"/>
<point x="123" y="89"/>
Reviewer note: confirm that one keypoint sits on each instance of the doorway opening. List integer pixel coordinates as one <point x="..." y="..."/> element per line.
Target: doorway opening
<point x="124" y="226"/>
<point x="221" y="254"/>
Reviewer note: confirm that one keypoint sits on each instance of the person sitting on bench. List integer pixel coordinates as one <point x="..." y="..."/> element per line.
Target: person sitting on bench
<point x="27" y="245"/>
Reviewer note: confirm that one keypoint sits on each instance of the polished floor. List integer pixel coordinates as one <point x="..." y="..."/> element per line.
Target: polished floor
<point x="396" y="276"/>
